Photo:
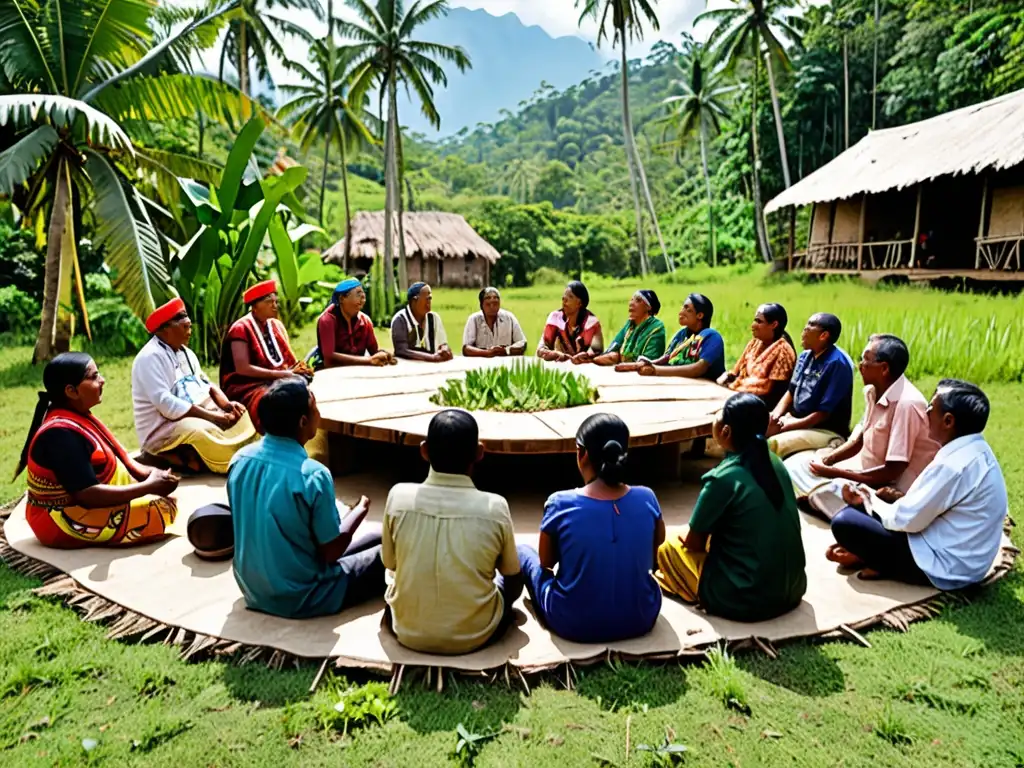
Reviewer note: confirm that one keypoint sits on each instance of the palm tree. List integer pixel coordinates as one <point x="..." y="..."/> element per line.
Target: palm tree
<point x="77" y="92"/>
<point x="697" y="108"/>
<point x="520" y="179"/>
<point x="253" y="37"/>
<point x="740" y="32"/>
<point x="319" y="110"/>
<point x="625" y="21"/>
<point x="387" y="54"/>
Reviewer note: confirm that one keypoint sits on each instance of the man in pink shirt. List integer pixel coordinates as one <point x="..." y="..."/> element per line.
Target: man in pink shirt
<point x="890" y="447"/>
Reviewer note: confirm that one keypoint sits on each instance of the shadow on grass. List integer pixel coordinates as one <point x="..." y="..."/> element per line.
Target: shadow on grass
<point x="256" y="682"/>
<point x="801" y="668"/>
<point x="481" y="707"/>
<point x="994" y="616"/>
<point x="633" y="687"/>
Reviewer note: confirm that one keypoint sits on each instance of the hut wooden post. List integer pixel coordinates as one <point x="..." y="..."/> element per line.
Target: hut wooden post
<point x="981" y="224"/>
<point x="917" y="227"/>
<point x="860" y="232"/>
<point x="792" y="235"/>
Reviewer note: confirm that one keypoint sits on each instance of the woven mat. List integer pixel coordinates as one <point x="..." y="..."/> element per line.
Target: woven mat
<point x="164" y="588"/>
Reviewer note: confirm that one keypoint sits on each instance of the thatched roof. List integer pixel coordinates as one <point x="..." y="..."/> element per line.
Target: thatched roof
<point x="985" y="136"/>
<point x="428" y="234"/>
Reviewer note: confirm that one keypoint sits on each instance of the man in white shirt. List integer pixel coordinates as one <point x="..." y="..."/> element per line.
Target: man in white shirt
<point x="180" y="415"/>
<point x="417" y="332"/>
<point x="946" y="530"/>
<point x="493" y="331"/>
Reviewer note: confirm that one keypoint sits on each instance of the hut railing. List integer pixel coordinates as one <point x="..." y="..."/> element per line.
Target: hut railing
<point x="999" y="253"/>
<point x="878" y="254"/>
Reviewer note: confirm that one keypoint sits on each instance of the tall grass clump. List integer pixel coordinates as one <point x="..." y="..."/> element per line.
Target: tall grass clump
<point x="524" y="386"/>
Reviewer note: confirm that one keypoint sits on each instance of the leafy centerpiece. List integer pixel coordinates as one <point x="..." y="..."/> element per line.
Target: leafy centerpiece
<point x="523" y="386"/>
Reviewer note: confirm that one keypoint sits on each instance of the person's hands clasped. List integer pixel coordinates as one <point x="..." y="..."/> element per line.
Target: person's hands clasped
<point x="498" y="351"/>
<point x="646" y="370"/>
<point x="852" y="496"/>
<point x="726" y="379"/>
<point x="380" y="358"/>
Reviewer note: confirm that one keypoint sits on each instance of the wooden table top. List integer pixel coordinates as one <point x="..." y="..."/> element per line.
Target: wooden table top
<point x="392" y="404"/>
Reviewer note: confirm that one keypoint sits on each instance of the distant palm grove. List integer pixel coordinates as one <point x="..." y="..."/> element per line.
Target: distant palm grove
<point x="117" y="188"/>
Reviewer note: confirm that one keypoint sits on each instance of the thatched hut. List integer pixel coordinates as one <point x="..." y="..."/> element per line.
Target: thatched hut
<point x="441" y="248"/>
<point x="942" y="197"/>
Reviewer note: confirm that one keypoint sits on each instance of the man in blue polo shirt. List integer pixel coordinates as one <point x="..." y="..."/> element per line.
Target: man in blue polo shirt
<point x="815" y="411"/>
<point x="297" y="554"/>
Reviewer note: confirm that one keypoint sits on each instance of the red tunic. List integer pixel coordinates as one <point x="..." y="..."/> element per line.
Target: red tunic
<point x="268" y="348"/>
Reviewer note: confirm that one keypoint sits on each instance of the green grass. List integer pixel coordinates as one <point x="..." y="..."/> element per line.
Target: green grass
<point x="950" y="692"/>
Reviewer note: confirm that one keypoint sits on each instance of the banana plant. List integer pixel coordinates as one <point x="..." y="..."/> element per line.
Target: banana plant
<point x="234" y="218"/>
<point x="297" y="272"/>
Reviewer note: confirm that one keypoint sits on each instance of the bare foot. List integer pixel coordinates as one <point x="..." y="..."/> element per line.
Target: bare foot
<point x="842" y="557"/>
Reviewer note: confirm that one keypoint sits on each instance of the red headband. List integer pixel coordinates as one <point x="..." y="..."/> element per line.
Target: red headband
<point x="259" y="291"/>
<point x="164" y="314"/>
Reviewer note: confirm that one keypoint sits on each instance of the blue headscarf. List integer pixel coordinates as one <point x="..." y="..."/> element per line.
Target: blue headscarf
<point x="343" y="288"/>
<point x="414" y="290"/>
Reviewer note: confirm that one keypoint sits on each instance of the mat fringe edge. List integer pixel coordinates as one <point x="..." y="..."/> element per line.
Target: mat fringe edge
<point x="125" y="624"/>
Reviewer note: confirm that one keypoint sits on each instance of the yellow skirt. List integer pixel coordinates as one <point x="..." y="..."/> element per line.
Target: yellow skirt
<point x="214" y="445"/>
<point x="679" y="568"/>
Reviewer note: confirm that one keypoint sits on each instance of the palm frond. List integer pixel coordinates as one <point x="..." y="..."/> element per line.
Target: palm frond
<point x="23" y="55"/>
<point x="20" y="160"/>
<point x="129" y="240"/>
<point x="31" y="109"/>
<point x="111" y="32"/>
<point x="420" y="13"/>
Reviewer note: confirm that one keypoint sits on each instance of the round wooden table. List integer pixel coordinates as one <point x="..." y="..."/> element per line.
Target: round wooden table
<point x="392" y="404"/>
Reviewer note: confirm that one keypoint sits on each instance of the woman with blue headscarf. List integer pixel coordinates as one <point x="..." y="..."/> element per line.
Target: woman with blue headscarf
<point x="416" y="332"/>
<point x="344" y="334"/>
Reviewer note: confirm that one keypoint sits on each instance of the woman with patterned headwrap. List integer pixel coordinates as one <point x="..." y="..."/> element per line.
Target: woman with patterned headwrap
<point x="572" y="332"/>
<point x="256" y="351"/>
<point x="643" y="335"/>
<point x="344" y="334"/>
<point x="416" y="332"/>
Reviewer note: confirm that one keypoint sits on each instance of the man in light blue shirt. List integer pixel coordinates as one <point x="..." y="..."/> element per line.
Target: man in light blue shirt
<point x="295" y="555"/>
<point x="947" y="529"/>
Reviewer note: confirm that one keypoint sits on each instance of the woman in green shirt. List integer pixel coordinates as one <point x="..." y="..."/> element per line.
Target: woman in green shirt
<point x="742" y="557"/>
<point x="643" y="335"/>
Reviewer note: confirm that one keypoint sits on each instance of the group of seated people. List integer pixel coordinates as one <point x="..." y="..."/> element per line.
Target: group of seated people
<point x="913" y="492"/>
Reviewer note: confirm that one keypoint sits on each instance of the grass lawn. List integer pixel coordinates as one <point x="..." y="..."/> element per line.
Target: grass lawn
<point x="949" y="692"/>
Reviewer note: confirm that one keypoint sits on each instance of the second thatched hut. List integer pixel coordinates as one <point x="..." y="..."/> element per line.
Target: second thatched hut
<point x="441" y="248"/>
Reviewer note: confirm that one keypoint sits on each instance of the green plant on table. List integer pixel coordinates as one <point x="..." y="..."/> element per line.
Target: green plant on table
<point x="523" y="386"/>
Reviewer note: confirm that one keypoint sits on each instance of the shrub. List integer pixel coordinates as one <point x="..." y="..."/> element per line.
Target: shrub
<point x="115" y="328"/>
<point x="19" y="315"/>
<point x="548" y="276"/>
<point x="524" y="386"/>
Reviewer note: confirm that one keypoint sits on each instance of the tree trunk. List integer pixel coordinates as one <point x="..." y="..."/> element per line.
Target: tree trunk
<point x="389" y="203"/>
<point x="874" y="71"/>
<point x="243" y="65"/>
<point x="627" y="145"/>
<point x="759" y="225"/>
<point x="323" y="177"/>
<point x="711" y="201"/>
<point x="396" y="185"/>
<point x="778" y="121"/>
<point x="54" y="324"/>
<point x="348" y="209"/>
<point x="846" y="92"/>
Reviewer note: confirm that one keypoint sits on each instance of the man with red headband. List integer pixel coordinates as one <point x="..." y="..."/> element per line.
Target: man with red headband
<point x="256" y="352"/>
<point x="180" y="416"/>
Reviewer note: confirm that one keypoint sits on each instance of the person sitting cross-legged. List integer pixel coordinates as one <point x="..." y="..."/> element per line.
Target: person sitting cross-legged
<point x="451" y="548"/>
<point x="493" y="331"/>
<point x="946" y="530"/>
<point x="256" y="351"/>
<point x="815" y="411"/>
<point x="643" y="335"/>
<point x="697" y="351"/>
<point x="890" y="447"/>
<point x="181" y="417"/>
<point x="572" y="333"/>
<point x="297" y="550"/>
<point x="602" y="538"/>
<point x="742" y="557"/>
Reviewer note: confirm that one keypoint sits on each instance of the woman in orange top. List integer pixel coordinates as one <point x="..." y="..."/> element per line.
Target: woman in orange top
<point x="83" y="487"/>
<point x="767" y="362"/>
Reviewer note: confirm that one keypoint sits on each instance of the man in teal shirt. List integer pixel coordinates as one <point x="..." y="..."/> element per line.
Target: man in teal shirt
<point x="295" y="555"/>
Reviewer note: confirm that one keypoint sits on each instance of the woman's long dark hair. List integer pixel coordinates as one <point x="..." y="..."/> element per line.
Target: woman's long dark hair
<point x="605" y="438"/>
<point x="702" y="304"/>
<point x="579" y="290"/>
<point x="776" y="313"/>
<point x="65" y="370"/>
<point x="747" y="416"/>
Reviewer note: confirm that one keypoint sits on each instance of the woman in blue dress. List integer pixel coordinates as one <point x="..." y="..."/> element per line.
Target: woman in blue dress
<point x="603" y="538"/>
